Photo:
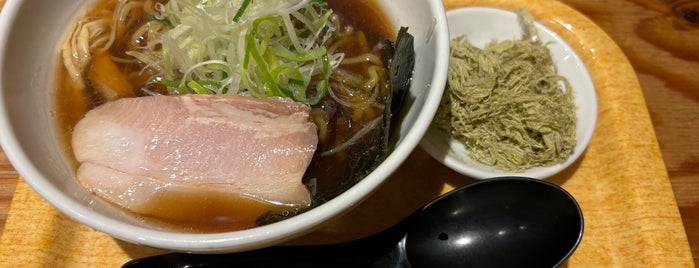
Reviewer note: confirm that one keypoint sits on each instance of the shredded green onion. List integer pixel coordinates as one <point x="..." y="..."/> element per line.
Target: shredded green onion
<point x="261" y="48"/>
<point x="298" y="56"/>
<point x="152" y="17"/>
<point x="241" y="10"/>
<point x="198" y="88"/>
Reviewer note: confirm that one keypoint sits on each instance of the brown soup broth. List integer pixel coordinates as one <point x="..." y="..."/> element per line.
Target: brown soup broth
<point x="327" y="176"/>
<point x="331" y="175"/>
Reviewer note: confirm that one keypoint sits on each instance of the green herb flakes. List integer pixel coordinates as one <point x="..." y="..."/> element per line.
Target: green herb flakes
<point x="507" y="104"/>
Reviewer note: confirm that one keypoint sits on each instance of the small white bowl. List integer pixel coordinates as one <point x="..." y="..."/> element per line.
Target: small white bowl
<point x="482" y="25"/>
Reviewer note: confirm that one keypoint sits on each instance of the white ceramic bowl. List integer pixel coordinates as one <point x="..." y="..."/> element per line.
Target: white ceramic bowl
<point x="30" y="31"/>
<point x="482" y="25"/>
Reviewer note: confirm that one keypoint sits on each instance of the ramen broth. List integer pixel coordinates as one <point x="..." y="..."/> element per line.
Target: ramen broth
<point x="343" y="157"/>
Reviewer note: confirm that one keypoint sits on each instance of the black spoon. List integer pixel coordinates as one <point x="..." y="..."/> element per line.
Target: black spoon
<point x="499" y="222"/>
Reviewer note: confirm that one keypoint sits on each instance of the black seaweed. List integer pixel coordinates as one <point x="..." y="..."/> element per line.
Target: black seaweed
<point x="400" y="56"/>
<point x="401" y="69"/>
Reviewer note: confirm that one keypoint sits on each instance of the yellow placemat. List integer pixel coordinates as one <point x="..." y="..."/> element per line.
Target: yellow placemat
<point x="631" y="216"/>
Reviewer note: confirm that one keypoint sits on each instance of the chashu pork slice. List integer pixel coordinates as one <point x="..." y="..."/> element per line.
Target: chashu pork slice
<point x="132" y="150"/>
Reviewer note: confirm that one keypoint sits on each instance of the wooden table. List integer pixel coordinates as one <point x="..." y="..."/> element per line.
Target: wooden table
<point x="660" y="39"/>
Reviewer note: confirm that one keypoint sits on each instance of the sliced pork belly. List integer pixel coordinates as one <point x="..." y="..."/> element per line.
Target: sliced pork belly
<point x="133" y="150"/>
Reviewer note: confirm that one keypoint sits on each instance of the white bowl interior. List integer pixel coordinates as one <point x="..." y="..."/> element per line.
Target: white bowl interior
<point x="33" y="29"/>
<point x="482" y="25"/>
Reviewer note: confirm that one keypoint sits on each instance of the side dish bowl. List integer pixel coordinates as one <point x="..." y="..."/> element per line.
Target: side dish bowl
<point x="482" y="25"/>
<point x="31" y="30"/>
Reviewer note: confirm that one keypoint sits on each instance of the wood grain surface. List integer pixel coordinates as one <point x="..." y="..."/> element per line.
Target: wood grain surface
<point x="8" y="178"/>
<point x="660" y="39"/>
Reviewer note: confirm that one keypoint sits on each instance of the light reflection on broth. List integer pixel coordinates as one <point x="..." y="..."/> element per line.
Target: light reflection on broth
<point x="207" y="211"/>
<point x="341" y="158"/>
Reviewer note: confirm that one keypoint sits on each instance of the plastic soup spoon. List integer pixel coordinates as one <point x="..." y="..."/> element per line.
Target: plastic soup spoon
<point x="498" y="222"/>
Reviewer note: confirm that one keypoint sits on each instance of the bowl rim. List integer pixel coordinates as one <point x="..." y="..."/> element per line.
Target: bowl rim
<point x="481" y="171"/>
<point x="226" y="241"/>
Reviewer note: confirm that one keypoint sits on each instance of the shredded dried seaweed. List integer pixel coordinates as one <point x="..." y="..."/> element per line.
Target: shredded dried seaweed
<point x="507" y="103"/>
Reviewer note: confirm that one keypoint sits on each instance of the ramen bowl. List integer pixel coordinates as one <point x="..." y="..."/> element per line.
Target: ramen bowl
<point x="29" y="136"/>
<point x="482" y="25"/>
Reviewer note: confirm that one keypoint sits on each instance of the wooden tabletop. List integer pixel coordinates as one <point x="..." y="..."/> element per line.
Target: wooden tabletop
<point x="659" y="38"/>
<point x="8" y="179"/>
